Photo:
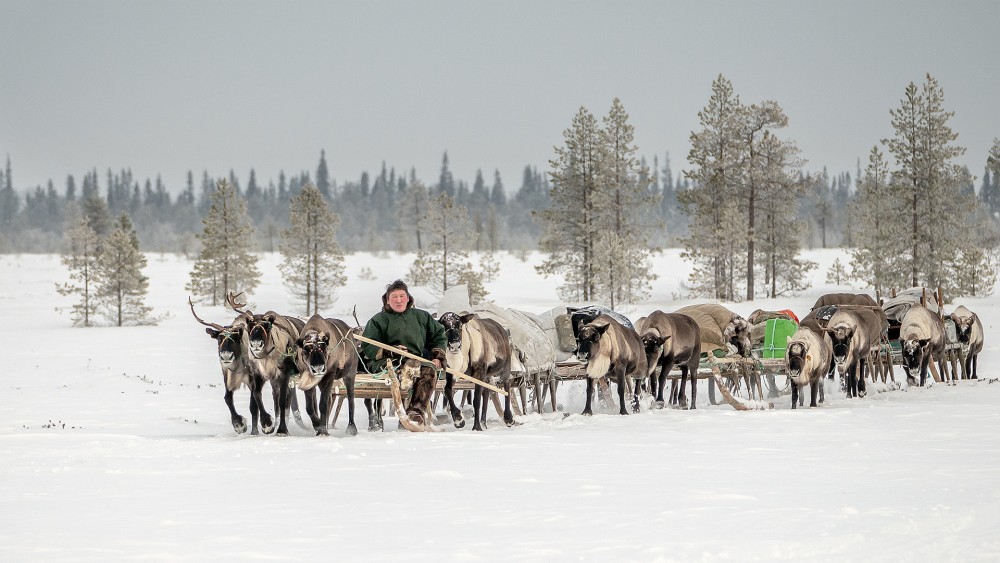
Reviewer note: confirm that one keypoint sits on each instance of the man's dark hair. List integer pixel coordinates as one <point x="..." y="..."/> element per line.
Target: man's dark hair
<point x="396" y="285"/>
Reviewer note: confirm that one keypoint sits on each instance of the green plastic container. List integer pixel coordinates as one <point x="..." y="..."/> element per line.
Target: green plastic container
<point x="776" y="335"/>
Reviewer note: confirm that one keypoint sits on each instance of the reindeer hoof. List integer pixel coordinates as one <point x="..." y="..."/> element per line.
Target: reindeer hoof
<point x="459" y="422"/>
<point x="509" y="422"/>
<point x="352" y="430"/>
<point x="659" y="404"/>
<point x="241" y="426"/>
<point x="322" y="432"/>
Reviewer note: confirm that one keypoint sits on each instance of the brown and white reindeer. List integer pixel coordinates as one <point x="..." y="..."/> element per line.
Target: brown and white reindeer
<point x="921" y="340"/>
<point x="670" y="339"/>
<point x="851" y="340"/>
<point x="970" y="334"/>
<point x="269" y="340"/>
<point x="808" y="358"/>
<point x="236" y="372"/>
<point x="479" y="347"/>
<point x="326" y="352"/>
<point x="609" y="349"/>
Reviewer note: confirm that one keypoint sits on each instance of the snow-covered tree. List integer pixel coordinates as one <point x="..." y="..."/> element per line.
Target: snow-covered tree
<point x="571" y="224"/>
<point x="121" y="287"/>
<point x="225" y="262"/>
<point x="715" y="231"/>
<point x="80" y="257"/>
<point x="445" y="261"/>
<point x="935" y="208"/>
<point x="879" y="237"/>
<point x="625" y="213"/>
<point x="312" y="261"/>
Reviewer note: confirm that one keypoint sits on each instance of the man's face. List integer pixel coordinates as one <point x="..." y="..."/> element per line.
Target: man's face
<point x="398" y="300"/>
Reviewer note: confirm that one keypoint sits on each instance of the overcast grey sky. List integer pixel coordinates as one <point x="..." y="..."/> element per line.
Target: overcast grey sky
<point x="164" y="87"/>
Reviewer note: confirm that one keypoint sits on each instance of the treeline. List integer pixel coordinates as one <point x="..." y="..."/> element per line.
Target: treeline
<point x="34" y="220"/>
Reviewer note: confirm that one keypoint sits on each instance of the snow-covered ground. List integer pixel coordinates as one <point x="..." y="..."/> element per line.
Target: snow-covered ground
<point x="115" y="444"/>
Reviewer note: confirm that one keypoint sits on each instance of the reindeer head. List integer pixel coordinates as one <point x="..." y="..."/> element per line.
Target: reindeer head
<point x="229" y="338"/>
<point x="587" y="339"/>
<point x="453" y="323"/>
<point x="913" y="350"/>
<point x="795" y="358"/>
<point x="652" y="344"/>
<point x="313" y="350"/>
<point x="841" y="336"/>
<point x="737" y="333"/>
<point x="963" y="327"/>
<point x="259" y="329"/>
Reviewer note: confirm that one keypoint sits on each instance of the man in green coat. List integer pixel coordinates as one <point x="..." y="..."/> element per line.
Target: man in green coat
<point x="400" y="324"/>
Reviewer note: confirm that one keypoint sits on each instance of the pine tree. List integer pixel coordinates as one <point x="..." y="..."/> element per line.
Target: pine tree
<point x="445" y="262"/>
<point x="446" y="182"/>
<point x="711" y="205"/>
<point x="121" y="287"/>
<point x="415" y="202"/>
<point x="313" y="264"/>
<point x="923" y="150"/>
<point x="570" y="225"/>
<point x="10" y="203"/>
<point x="778" y="233"/>
<point x="623" y="267"/>
<point x="80" y="256"/>
<point x="497" y="195"/>
<point x="879" y="238"/>
<point x="837" y="274"/>
<point x="323" y="177"/>
<point x="225" y="262"/>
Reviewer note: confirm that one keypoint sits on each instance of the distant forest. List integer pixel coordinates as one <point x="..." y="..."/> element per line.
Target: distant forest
<point x="32" y="219"/>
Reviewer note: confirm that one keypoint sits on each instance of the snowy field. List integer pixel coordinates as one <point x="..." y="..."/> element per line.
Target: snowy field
<point x="115" y="444"/>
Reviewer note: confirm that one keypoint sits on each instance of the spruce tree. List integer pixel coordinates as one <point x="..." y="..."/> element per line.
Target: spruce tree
<point x="312" y="262"/>
<point x="879" y="238"/>
<point x="80" y="257"/>
<point x="711" y="204"/>
<point x="624" y="213"/>
<point x="121" y="287"/>
<point x="570" y="225"/>
<point x="323" y="176"/>
<point x="935" y="209"/>
<point x="10" y="203"/>
<point x="445" y="261"/>
<point x="413" y="205"/>
<point x="225" y="262"/>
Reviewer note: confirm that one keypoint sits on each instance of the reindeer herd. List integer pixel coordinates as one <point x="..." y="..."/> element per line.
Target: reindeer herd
<point x="843" y="333"/>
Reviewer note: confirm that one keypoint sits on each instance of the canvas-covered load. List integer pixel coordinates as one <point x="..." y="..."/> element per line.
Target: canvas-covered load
<point x="533" y="351"/>
<point x="828" y="304"/>
<point x="896" y="308"/>
<point x="712" y="320"/>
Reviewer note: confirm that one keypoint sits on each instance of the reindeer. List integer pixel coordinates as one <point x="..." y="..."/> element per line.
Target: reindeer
<point x="236" y="372"/>
<point x="808" y="358"/>
<point x="481" y="348"/>
<point x="970" y="334"/>
<point x="270" y="342"/>
<point x="325" y="352"/>
<point x="921" y="338"/>
<point x="671" y="339"/>
<point x="851" y="341"/>
<point x="610" y="348"/>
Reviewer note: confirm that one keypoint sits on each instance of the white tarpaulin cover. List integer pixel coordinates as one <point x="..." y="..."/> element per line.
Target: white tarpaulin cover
<point x="533" y="350"/>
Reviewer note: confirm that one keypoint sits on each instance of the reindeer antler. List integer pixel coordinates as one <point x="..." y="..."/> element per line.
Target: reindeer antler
<point x="231" y="300"/>
<point x="213" y="325"/>
<point x="354" y="313"/>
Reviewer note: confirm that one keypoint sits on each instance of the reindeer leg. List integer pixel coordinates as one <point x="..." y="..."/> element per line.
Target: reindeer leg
<point x="311" y="409"/>
<point x="508" y="416"/>
<point x="795" y="395"/>
<point x="553" y="385"/>
<point x="590" y="396"/>
<point x="239" y="423"/>
<point x="449" y="396"/>
<point x="281" y="407"/>
<point x="621" y="391"/>
<point x="477" y="404"/>
<point x="254" y="416"/>
<point x="325" y="406"/>
<point x="814" y="388"/>
<point x="266" y="422"/>
<point x="352" y="429"/>
<point x="862" y="390"/>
